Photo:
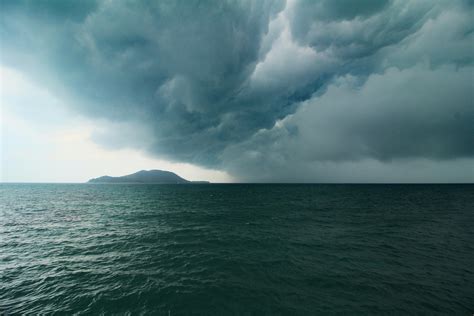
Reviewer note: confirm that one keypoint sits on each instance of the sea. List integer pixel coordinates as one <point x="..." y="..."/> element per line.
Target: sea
<point x="236" y="249"/>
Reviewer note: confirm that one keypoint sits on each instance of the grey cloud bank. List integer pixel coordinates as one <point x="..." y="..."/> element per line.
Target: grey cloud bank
<point x="331" y="91"/>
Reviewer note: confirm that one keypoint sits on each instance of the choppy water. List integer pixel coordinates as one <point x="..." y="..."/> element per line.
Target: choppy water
<point x="236" y="249"/>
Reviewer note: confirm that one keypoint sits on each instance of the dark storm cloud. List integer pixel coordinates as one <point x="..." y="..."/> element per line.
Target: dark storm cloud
<point x="267" y="90"/>
<point x="374" y="121"/>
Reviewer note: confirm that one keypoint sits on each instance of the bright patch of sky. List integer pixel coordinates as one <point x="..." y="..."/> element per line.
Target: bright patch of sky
<point x="43" y="141"/>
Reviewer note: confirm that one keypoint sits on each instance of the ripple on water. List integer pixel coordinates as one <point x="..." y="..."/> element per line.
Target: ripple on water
<point x="236" y="249"/>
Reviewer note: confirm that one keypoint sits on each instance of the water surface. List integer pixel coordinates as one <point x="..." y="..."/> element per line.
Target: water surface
<point x="236" y="249"/>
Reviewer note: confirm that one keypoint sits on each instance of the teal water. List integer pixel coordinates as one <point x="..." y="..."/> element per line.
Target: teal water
<point x="236" y="249"/>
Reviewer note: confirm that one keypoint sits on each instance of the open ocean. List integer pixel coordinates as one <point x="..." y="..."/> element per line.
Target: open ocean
<point x="236" y="249"/>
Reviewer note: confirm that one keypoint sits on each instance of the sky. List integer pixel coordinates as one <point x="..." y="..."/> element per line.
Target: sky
<point x="238" y="91"/>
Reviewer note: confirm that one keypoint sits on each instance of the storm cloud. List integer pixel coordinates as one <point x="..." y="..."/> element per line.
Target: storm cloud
<point x="328" y="90"/>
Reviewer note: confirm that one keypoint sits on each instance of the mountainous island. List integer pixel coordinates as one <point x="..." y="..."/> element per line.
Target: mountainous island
<point x="146" y="176"/>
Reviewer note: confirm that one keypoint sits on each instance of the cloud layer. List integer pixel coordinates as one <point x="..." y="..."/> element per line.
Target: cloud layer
<point x="266" y="90"/>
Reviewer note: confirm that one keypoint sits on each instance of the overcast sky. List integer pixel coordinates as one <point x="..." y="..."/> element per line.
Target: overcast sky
<point x="252" y="91"/>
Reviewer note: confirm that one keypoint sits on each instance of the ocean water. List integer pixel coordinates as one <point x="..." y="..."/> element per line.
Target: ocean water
<point x="236" y="249"/>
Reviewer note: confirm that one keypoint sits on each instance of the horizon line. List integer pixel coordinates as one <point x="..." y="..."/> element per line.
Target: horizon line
<point x="197" y="183"/>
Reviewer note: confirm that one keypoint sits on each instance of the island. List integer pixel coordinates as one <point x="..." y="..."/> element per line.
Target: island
<point x="147" y="177"/>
